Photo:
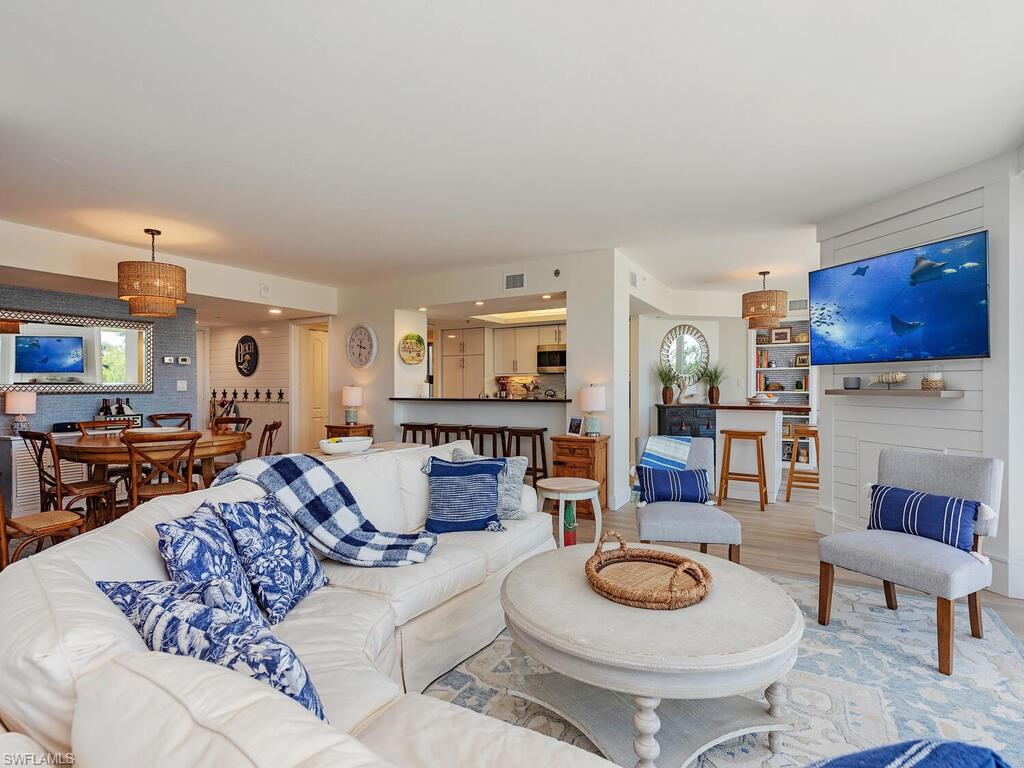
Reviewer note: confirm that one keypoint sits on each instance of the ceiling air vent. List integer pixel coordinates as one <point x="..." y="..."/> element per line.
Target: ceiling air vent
<point x="632" y="279"/>
<point x="798" y="305"/>
<point x="515" y="281"/>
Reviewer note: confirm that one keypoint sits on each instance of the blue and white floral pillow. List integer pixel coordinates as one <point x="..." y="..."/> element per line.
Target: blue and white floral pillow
<point x="214" y="593"/>
<point x="278" y="562"/>
<point x="210" y="634"/>
<point x="198" y="548"/>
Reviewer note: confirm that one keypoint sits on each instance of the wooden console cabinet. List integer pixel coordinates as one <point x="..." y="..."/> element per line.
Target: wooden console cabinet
<point x="582" y="457"/>
<point x="349" y="430"/>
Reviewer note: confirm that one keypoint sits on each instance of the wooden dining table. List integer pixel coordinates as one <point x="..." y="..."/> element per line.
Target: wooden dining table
<point x="101" y="450"/>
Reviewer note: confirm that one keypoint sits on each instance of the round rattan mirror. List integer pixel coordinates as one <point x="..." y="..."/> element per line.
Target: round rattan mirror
<point x="686" y="350"/>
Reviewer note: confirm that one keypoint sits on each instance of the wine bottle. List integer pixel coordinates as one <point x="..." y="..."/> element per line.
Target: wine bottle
<point x="105" y="407"/>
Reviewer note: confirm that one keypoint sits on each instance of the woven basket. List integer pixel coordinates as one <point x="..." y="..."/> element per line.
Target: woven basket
<point x="933" y="384"/>
<point x="630" y="582"/>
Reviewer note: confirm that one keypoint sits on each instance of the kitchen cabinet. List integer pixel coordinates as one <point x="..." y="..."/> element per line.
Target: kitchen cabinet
<point x="550" y="334"/>
<point x="462" y="375"/>
<point x="526" y="350"/>
<point x="462" y="341"/>
<point x="504" y="351"/>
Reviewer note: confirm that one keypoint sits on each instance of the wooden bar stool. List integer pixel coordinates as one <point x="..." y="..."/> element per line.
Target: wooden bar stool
<point x="479" y="433"/>
<point x="447" y="433"/>
<point x="803" y="478"/>
<point x="563" y="489"/>
<point x="424" y="432"/>
<point x="727" y="474"/>
<point x="538" y="451"/>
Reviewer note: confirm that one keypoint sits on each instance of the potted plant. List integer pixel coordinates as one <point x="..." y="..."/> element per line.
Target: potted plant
<point x="713" y="376"/>
<point x="666" y="374"/>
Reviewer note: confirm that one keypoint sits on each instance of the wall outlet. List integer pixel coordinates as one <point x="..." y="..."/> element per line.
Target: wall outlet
<point x="184" y="360"/>
<point x="183" y="385"/>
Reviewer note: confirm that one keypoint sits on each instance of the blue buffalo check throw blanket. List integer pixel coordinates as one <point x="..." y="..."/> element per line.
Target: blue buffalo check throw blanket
<point x="919" y="754"/>
<point x="323" y="507"/>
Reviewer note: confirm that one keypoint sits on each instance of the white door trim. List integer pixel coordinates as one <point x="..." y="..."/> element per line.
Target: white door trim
<point x="294" y="386"/>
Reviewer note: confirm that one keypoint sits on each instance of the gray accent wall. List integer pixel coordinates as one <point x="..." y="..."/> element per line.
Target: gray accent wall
<point x="172" y="336"/>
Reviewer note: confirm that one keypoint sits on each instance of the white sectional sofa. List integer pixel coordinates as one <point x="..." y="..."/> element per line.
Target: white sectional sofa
<point x="371" y="641"/>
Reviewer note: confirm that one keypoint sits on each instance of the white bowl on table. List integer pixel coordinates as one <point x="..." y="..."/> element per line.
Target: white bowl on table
<point x="343" y="445"/>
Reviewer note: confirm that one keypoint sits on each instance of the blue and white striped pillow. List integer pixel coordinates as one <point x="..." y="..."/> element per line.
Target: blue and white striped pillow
<point x="463" y="495"/>
<point x="943" y="518"/>
<point x="673" y="485"/>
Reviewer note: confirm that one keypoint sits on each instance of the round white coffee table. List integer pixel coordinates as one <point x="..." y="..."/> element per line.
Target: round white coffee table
<point x="612" y="662"/>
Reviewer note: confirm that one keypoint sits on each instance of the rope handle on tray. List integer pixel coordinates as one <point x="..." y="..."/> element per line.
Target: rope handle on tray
<point x="687" y="567"/>
<point x="605" y="537"/>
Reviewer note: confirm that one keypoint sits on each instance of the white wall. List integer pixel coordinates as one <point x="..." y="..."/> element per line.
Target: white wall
<point x="409" y="378"/>
<point x="989" y="419"/>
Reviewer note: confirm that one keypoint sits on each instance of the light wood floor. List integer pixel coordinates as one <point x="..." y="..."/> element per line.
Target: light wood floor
<point x="782" y="540"/>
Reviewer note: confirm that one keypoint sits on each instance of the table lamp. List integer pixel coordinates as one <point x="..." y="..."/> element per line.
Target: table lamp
<point x="17" y="404"/>
<point x="591" y="402"/>
<point x="351" y="398"/>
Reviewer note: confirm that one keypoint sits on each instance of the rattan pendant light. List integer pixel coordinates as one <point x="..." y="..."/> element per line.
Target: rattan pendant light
<point x="10" y="326"/>
<point x="764" y="309"/>
<point x="151" y="288"/>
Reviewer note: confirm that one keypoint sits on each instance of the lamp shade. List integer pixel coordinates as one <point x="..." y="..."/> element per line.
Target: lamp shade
<point x="151" y="288"/>
<point x="352" y="396"/>
<point x="19" y="403"/>
<point x="592" y="399"/>
<point x="764" y="309"/>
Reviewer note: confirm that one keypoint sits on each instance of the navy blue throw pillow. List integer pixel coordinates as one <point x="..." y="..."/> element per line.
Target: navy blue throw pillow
<point x="942" y="518"/>
<point x="673" y="485"/>
<point x="463" y="495"/>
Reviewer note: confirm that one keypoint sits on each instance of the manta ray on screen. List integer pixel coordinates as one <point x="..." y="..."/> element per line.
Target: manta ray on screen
<point x="860" y="271"/>
<point x="926" y="270"/>
<point x="902" y="327"/>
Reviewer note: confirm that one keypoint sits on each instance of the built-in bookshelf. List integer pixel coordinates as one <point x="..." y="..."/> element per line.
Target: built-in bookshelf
<point x="782" y="369"/>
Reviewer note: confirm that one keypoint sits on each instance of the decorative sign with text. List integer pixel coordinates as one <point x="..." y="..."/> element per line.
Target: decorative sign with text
<point x="247" y="355"/>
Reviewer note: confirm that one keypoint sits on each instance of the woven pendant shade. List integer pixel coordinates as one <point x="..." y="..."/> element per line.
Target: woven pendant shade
<point x="10" y="326"/>
<point x="764" y="309"/>
<point x="151" y="288"/>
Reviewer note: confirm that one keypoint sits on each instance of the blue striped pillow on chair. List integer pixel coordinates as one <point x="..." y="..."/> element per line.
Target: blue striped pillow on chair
<point x="943" y="518"/>
<point x="673" y="485"/>
<point x="463" y="495"/>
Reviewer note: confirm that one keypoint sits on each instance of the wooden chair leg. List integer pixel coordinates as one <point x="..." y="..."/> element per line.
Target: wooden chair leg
<point x="762" y="482"/>
<point x="826" y="575"/>
<point x="734" y="553"/>
<point x="703" y="549"/>
<point x="974" y="603"/>
<point x="723" y="471"/>
<point x="890" y="595"/>
<point x="792" y="470"/>
<point x="944" y="618"/>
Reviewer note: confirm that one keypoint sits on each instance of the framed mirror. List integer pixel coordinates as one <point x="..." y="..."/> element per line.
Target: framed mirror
<point x="56" y="354"/>
<point x="687" y="351"/>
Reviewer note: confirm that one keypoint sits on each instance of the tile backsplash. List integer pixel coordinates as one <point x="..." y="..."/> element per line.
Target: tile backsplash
<point x="555" y="381"/>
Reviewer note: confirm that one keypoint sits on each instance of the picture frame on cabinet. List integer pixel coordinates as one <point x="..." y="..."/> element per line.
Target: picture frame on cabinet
<point x="801" y="360"/>
<point x="575" y="426"/>
<point x="803" y="454"/>
<point x="787" y="429"/>
<point x="787" y="451"/>
<point x="781" y="335"/>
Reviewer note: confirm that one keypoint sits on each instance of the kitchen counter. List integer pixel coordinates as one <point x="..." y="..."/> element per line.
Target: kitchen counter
<point x="480" y="400"/>
<point x="766" y="407"/>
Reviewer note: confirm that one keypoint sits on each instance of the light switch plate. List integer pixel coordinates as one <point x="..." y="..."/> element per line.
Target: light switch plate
<point x="168" y="360"/>
<point x="184" y="360"/>
<point x="183" y="385"/>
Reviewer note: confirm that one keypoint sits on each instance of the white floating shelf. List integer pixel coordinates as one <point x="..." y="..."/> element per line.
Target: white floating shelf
<point x="786" y="368"/>
<point x="785" y="344"/>
<point x="944" y="394"/>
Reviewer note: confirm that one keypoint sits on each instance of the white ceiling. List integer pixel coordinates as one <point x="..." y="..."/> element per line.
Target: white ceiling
<point x="341" y="142"/>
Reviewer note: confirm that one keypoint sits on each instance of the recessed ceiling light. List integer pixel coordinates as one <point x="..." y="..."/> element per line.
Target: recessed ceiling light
<point x="274" y="311"/>
<point x="479" y="303"/>
<point x="423" y="309"/>
<point x="546" y="296"/>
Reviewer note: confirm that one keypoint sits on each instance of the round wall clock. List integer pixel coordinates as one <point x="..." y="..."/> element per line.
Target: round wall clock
<point x="362" y="345"/>
<point x="412" y="349"/>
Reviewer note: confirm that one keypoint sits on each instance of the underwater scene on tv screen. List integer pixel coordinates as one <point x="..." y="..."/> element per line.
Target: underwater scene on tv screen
<point x="929" y="302"/>
<point x="48" y="354"/>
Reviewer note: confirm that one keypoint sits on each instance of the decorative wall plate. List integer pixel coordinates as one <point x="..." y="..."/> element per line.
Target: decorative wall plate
<point x="412" y="349"/>
<point x="247" y="356"/>
<point x="362" y="345"/>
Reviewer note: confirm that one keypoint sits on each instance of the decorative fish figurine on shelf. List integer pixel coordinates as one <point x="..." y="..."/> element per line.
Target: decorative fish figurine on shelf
<point x="889" y="377"/>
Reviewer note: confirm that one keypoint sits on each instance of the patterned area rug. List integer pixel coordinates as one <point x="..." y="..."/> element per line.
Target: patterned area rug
<point x="867" y="679"/>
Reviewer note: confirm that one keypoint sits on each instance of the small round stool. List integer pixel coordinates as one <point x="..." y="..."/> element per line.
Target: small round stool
<point x="446" y="433"/>
<point x="478" y="433"/>
<point x="565" y="489"/>
<point x="421" y="432"/>
<point x="803" y="478"/>
<point x="537" y="469"/>
<point x="727" y="474"/>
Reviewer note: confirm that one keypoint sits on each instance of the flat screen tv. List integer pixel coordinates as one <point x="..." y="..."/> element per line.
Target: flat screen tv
<point x="924" y="303"/>
<point x="49" y="354"/>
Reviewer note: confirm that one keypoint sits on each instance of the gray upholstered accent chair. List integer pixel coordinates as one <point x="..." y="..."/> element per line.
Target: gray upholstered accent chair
<point x="922" y="564"/>
<point x="686" y="521"/>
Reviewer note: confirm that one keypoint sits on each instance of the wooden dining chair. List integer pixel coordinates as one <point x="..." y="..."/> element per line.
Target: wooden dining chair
<point x="160" y="464"/>
<point x="228" y="424"/>
<point x="116" y="473"/>
<point x="54" y="524"/>
<point x="171" y="420"/>
<point x="266" y="446"/>
<point x="98" y="496"/>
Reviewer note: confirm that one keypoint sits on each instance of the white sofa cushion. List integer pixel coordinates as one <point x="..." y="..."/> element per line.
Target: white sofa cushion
<point x="436" y="734"/>
<point x="17" y="746"/>
<point x="337" y="633"/>
<point x="158" y="709"/>
<point x="373" y="481"/>
<point x="520" y="538"/>
<point x="415" y="589"/>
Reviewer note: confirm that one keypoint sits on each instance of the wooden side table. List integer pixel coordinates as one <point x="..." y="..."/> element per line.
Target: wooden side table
<point x="585" y="457"/>
<point x="563" y="489"/>
<point x="349" y="430"/>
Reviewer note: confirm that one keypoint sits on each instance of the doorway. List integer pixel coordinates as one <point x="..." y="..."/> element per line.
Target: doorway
<point x="314" y="385"/>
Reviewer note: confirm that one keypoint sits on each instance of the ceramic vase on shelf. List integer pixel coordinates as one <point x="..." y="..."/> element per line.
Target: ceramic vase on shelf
<point x="667" y="395"/>
<point x="713" y="395"/>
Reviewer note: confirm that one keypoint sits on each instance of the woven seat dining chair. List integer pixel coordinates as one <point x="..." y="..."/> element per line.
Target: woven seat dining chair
<point x="54" y="524"/>
<point x="160" y="464"/>
<point x="171" y="420"/>
<point x="99" y="497"/>
<point x="116" y="473"/>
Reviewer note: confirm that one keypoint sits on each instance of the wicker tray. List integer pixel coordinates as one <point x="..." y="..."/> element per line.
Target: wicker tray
<point x="646" y="578"/>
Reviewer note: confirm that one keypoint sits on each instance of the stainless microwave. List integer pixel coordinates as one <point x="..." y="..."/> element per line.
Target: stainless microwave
<point x="551" y="358"/>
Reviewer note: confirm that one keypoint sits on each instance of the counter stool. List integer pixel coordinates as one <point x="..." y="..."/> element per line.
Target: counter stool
<point x="479" y="433"/>
<point x="535" y="435"/>
<point x="803" y="478"/>
<point x="424" y="432"/>
<point x="563" y="489"/>
<point x="447" y="433"/>
<point x="727" y="474"/>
